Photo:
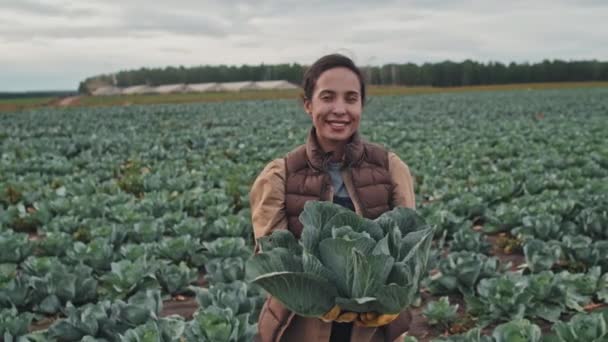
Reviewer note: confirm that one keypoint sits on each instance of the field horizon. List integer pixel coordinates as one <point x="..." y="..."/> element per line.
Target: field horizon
<point x="19" y="104"/>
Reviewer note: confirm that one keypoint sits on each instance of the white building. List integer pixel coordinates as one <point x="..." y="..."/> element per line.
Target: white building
<point x="238" y="86"/>
<point x="170" y="89"/>
<point x="202" y="87"/>
<point x="138" y="89"/>
<point x="275" y="85"/>
<point x="106" y="91"/>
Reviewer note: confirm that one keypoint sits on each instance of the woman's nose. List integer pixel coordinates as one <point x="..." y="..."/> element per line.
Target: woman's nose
<point x="339" y="107"/>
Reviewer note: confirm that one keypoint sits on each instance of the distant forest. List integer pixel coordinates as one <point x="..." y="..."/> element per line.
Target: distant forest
<point x="443" y="74"/>
<point x="33" y="94"/>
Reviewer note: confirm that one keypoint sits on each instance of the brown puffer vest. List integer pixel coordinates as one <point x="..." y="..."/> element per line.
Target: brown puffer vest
<point x="307" y="178"/>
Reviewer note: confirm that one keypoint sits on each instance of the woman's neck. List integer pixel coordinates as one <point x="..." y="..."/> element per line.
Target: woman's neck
<point x="336" y="147"/>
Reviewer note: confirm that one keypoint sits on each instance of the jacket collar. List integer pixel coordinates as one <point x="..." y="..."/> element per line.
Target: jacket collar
<point x="318" y="159"/>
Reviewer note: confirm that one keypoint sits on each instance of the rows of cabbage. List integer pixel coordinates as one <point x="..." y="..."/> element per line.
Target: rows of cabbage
<point x="134" y="201"/>
<point x="533" y="181"/>
<point x="99" y="230"/>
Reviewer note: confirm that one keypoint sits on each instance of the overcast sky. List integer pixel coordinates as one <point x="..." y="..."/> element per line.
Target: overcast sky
<point x="55" y="44"/>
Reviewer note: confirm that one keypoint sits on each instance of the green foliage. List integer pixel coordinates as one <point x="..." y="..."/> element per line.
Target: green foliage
<point x="225" y="270"/>
<point x="502" y="298"/>
<point x="446" y="222"/>
<point x="504" y="218"/>
<point x="175" y="279"/>
<point x="469" y="240"/>
<point x="548" y="296"/>
<point x="543" y="295"/>
<point x="440" y="312"/>
<point x="140" y="308"/>
<point x="468" y="206"/>
<point x="17" y="292"/>
<point x="54" y="244"/>
<point x="146" y="231"/>
<point x="59" y="284"/>
<point x="593" y="222"/>
<point x="517" y="331"/>
<point x="227" y="225"/>
<point x="9" y="195"/>
<point x="583" y="327"/>
<point x="544" y="227"/>
<point x="133" y="252"/>
<point x="98" y="254"/>
<point x="213" y="324"/>
<point x="473" y="335"/>
<point x="129" y="176"/>
<point x="238" y="296"/>
<point x="580" y="287"/>
<point x="583" y="250"/>
<point x="88" y="320"/>
<point x="195" y="227"/>
<point x="22" y="218"/>
<point x="182" y="248"/>
<point x="14" y="247"/>
<point x="14" y="325"/>
<point x="225" y="247"/>
<point x="492" y="159"/>
<point x="107" y="319"/>
<point x="65" y="224"/>
<point x="163" y="330"/>
<point x="7" y="272"/>
<point x="540" y="255"/>
<point x="462" y="271"/>
<point x="602" y="288"/>
<point x="38" y="266"/>
<point x="128" y="277"/>
<point x="342" y="259"/>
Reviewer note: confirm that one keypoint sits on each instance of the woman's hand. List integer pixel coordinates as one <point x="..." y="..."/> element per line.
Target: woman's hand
<point x="374" y="320"/>
<point x="336" y="314"/>
<point x="364" y="319"/>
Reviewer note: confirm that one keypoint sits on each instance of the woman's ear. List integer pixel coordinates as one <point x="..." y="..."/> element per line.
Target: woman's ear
<point x="308" y="106"/>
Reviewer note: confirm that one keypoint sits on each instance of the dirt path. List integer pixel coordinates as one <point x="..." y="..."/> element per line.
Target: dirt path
<point x="68" y="101"/>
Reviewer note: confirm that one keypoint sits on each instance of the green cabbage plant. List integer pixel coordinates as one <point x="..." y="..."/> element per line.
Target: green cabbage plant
<point x="583" y="327"/>
<point x="342" y="259"/>
<point x="440" y="312"/>
<point x="517" y="330"/>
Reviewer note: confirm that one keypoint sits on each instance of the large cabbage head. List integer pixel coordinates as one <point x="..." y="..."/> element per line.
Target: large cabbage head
<point x="343" y="259"/>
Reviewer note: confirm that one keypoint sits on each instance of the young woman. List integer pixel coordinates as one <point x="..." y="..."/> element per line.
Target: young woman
<point x="334" y="164"/>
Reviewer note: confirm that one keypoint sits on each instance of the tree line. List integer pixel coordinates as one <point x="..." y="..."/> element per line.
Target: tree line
<point x="442" y="74"/>
<point x="34" y="94"/>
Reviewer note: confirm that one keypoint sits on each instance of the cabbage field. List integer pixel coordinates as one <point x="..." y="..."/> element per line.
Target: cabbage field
<point x="133" y="223"/>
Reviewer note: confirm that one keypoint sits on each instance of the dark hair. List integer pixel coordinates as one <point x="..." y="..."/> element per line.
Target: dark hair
<point x="325" y="63"/>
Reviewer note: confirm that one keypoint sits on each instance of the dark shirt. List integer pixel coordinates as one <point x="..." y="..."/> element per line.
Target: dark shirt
<point x="345" y="202"/>
<point x="340" y="332"/>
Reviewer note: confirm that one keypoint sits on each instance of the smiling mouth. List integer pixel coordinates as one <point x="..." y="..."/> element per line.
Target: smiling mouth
<point x="338" y="124"/>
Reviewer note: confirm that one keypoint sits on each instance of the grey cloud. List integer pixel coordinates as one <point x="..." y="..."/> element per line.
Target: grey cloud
<point x="12" y="34"/>
<point x="275" y="31"/>
<point x="32" y="7"/>
<point x="138" y="20"/>
<point x="176" y="50"/>
<point x="131" y="23"/>
<point x="210" y="18"/>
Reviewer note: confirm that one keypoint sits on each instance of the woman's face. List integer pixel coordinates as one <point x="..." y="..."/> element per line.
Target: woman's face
<point x="335" y="106"/>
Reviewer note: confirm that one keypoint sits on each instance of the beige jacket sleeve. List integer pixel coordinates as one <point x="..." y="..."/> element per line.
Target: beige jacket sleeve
<point x="403" y="193"/>
<point x="267" y="200"/>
